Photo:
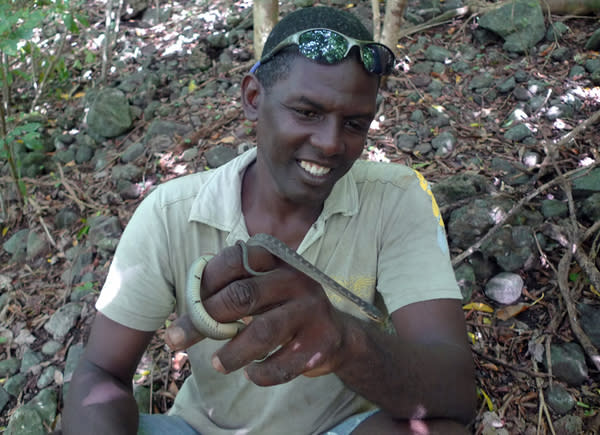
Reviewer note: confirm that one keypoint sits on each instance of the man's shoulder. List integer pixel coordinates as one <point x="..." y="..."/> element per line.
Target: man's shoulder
<point x="179" y="189"/>
<point x="393" y="174"/>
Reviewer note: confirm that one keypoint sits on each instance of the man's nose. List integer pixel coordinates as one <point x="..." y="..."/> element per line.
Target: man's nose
<point x="328" y="137"/>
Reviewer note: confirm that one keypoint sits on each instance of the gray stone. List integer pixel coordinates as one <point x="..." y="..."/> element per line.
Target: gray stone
<point x="561" y="54"/>
<point x="519" y="23"/>
<point x="556" y="30"/>
<point x="219" y="155"/>
<point x="45" y="404"/>
<point x="592" y="65"/>
<point x="465" y="277"/>
<point x="73" y="357"/>
<point x="4" y="398"/>
<point x="160" y="127"/>
<point x="457" y="187"/>
<point x="63" y="320"/>
<point x="33" y="164"/>
<point x="109" y="115"/>
<point x="37" y="245"/>
<point x="406" y="142"/>
<point x="444" y="142"/>
<point x="152" y="17"/>
<point x="559" y="399"/>
<point x="25" y="421"/>
<point x="507" y="85"/>
<point x="517" y="133"/>
<point x="590" y="322"/>
<point x="553" y="208"/>
<point x="559" y="111"/>
<point x="504" y="288"/>
<point x="468" y="223"/>
<point x="102" y="227"/>
<point x="569" y="425"/>
<point x="422" y="67"/>
<point x="65" y="218"/>
<point x="47" y="377"/>
<point x="594" y="42"/>
<point x="417" y="116"/>
<point x="15" y="384"/>
<point x="51" y="347"/>
<point x="481" y="81"/>
<point x="30" y="359"/>
<point x="590" y="207"/>
<point x="217" y="40"/>
<point x="423" y="148"/>
<point x="142" y="398"/>
<point x="521" y="93"/>
<point x="512" y="173"/>
<point x="17" y="245"/>
<point x="129" y="172"/>
<point x="536" y="103"/>
<point x="437" y="54"/>
<point x="576" y="71"/>
<point x="84" y="154"/>
<point x="512" y="247"/>
<point x="568" y="363"/>
<point x="9" y="367"/>
<point x="587" y="184"/>
<point x="132" y="152"/>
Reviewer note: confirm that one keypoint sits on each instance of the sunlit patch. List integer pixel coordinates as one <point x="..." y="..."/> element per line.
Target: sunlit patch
<point x="377" y="155"/>
<point x="497" y="214"/>
<point x="586" y="161"/>
<point x="559" y="124"/>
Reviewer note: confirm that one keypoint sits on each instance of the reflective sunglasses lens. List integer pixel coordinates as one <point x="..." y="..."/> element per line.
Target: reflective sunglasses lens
<point x="377" y="59"/>
<point x="323" y="46"/>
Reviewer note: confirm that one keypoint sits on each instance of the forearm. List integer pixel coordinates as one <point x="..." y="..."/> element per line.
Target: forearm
<point x="98" y="403"/>
<point x="408" y="380"/>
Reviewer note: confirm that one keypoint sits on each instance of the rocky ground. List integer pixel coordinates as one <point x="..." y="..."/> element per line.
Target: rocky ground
<point x="502" y="122"/>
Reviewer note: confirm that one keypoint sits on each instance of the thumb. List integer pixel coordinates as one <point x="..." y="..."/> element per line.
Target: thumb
<point x="181" y="334"/>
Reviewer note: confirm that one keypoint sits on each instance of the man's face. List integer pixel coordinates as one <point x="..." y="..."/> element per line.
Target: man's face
<point x="312" y="126"/>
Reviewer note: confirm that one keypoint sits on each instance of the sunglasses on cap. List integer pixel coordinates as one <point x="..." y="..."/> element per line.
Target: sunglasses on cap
<point x="329" y="46"/>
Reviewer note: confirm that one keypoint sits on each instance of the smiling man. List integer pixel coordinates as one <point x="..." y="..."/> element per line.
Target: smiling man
<point x="309" y="360"/>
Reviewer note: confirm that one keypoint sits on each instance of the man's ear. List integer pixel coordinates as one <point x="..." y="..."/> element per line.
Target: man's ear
<point x="251" y="95"/>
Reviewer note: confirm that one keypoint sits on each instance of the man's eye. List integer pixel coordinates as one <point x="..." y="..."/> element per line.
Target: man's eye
<point x="358" y="126"/>
<point x="308" y="114"/>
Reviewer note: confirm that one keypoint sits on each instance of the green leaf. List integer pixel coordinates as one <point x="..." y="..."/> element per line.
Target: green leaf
<point x="573" y="277"/>
<point x="83" y="20"/>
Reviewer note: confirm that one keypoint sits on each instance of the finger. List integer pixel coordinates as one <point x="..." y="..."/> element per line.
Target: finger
<point x="182" y="334"/>
<point x="228" y="266"/>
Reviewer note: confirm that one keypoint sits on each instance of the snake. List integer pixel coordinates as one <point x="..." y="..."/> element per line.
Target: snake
<point x="209" y="327"/>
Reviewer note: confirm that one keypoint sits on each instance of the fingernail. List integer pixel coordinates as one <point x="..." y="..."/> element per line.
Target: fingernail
<point x="246" y="375"/>
<point x="175" y="336"/>
<point x="216" y="363"/>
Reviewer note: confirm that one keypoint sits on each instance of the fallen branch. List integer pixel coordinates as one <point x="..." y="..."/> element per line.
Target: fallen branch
<point x="510" y="366"/>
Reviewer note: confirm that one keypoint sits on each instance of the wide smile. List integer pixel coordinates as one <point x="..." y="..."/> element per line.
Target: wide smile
<point x="314" y="169"/>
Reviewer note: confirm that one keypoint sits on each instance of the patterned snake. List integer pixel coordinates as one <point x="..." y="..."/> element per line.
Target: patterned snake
<point x="221" y="331"/>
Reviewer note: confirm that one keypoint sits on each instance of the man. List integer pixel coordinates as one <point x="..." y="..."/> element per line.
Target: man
<point x="373" y="227"/>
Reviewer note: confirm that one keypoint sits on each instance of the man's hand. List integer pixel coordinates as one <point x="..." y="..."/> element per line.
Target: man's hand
<point x="282" y="308"/>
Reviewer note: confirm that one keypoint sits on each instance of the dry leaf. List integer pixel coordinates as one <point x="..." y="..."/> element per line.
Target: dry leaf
<point x="506" y="313"/>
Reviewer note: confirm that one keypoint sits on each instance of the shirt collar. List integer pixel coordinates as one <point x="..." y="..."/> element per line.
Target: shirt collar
<point x="218" y="201"/>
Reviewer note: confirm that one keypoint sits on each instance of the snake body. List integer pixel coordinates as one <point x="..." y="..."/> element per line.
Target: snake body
<point x="221" y="331"/>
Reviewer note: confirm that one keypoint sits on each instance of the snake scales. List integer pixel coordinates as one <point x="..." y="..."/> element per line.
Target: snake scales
<point x="220" y="331"/>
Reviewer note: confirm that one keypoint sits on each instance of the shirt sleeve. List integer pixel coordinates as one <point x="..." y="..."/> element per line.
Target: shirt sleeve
<point x="414" y="263"/>
<point x="138" y="291"/>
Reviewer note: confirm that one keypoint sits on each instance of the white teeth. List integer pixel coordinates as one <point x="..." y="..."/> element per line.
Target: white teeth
<point x="313" y="169"/>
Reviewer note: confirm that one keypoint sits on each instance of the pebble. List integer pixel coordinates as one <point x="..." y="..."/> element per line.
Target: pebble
<point x="504" y="288"/>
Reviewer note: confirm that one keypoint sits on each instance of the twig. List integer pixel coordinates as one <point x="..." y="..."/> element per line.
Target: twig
<point x="38" y="211"/>
<point x="71" y="192"/>
<point x="51" y="66"/>
<point x="509" y="365"/>
<point x="543" y="407"/>
<point x="590" y="231"/>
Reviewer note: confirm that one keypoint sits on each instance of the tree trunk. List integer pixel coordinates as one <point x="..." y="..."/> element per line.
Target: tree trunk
<point x="571" y="7"/>
<point x="265" y="17"/>
<point x="394" y="14"/>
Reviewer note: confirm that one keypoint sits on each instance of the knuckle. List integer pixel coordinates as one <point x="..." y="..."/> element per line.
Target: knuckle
<point x="240" y="297"/>
<point x="263" y="330"/>
<point x="231" y="258"/>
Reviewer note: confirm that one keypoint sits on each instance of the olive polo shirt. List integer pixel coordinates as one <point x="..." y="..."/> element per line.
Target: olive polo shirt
<point x="380" y="231"/>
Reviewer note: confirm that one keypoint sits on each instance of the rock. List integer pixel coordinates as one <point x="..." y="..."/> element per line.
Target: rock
<point x="561" y="54"/>
<point x="553" y="208"/>
<point x="468" y="223"/>
<point x="457" y="187"/>
<point x="84" y="154"/>
<point x="47" y="377"/>
<point x="517" y="133"/>
<point x="65" y="218"/>
<point x="465" y="277"/>
<point x="36" y="246"/>
<point x="443" y="143"/>
<point x="25" y="421"/>
<point x="594" y="41"/>
<point x="63" y="320"/>
<point x="423" y="148"/>
<point x="30" y="359"/>
<point x="576" y="71"/>
<point x="513" y="248"/>
<point x="17" y="245"/>
<point x="521" y="93"/>
<point x="109" y="115"/>
<point x="559" y="399"/>
<point x="504" y="288"/>
<point x="104" y="227"/>
<point x="45" y="404"/>
<point x="406" y="142"/>
<point x="219" y="155"/>
<point x="132" y="152"/>
<point x="73" y="357"/>
<point x="519" y="23"/>
<point x="9" y="367"/>
<point x="417" y="116"/>
<point x="438" y="54"/>
<point x="586" y="184"/>
<point x="160" y="127"/>
<point x="590" y="207"/>
<point x="569" y="425"/>
<point x="590" y="322"/>
<point x="51" y="347"/>
<point x="422" y="67"/>
<point x="129" y="172"/>
<point x="481" y="81"/>
<point x="556" y="30"/>
<point x="568" y="363"/>
<point x="15" y="384"/>
<point x="4" y="398"/>
<point x="217" y="40"/>
<point x="33" y="164"/>
<point x="142" y="398"/>
<point x="507" y="85"/>
<point x="512" y="173"/>
<point x="559" y="111"/>
<point x="592" y="65"/>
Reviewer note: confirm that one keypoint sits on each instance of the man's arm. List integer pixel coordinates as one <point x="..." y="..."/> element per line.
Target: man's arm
<point x="100" y="398"/>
